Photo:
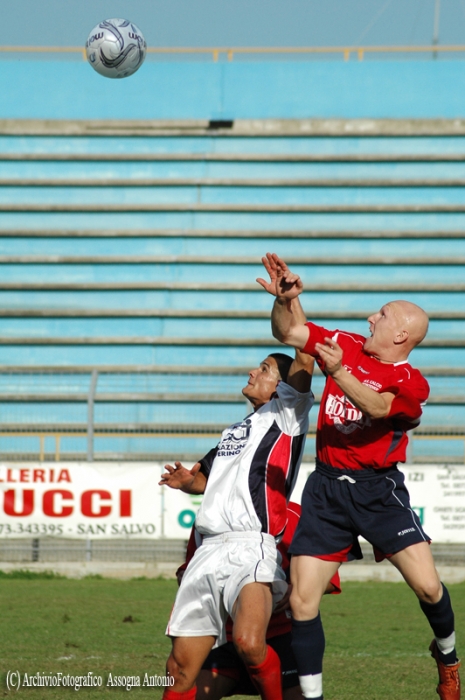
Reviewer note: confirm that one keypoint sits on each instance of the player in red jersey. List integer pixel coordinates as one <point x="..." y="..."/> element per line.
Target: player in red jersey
<point x="223" y="673"/>
<point x="372" y="397"/>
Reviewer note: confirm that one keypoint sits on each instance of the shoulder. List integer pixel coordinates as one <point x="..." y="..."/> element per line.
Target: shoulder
<point x="407" y="373"/>
<point x="412" y="378"/>
<point x="345" y="339"/>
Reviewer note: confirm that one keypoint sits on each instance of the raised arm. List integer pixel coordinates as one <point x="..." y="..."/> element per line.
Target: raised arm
<point x="301" y="372"/>
<point x="287" y="316"/>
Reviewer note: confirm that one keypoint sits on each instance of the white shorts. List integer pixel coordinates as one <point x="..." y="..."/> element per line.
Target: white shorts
<point x="219" y="569"/>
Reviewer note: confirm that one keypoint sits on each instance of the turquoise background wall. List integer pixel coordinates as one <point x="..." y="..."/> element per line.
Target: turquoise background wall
<point x="241" y="90"/>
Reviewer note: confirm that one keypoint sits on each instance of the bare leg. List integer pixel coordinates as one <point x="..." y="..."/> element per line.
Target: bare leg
<point x="251" y="614"/>
<point x="416" y="565"/>
<point x="310" y="577"/>
<point x="186" y="659"/>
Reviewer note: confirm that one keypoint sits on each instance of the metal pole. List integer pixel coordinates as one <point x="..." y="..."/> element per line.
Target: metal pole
<point x="90" y="415"/>
<point x="437" y="13"/>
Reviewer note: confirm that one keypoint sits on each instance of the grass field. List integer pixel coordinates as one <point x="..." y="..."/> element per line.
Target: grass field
<point x="377" y="638"/>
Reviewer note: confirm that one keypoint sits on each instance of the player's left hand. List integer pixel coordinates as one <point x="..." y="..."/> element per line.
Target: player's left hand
<point x="283" y="282"/>
<point x="331" y="354"/>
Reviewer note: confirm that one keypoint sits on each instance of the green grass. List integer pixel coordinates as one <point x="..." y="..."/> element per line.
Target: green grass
<point x="376" y="636"/>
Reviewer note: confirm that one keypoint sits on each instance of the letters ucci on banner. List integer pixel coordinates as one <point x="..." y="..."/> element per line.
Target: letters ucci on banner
<point x="80" y="500"/>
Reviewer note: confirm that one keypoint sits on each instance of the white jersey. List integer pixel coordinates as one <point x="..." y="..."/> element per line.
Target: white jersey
<point x="252" y="471"/>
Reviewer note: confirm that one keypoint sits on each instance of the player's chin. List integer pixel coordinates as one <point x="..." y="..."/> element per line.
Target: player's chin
<point x="368" y="342"/>
<point x="247" y="391"/>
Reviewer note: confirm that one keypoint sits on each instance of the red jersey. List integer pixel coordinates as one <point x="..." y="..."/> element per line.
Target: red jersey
<point x="281" y="622"/>
<point x="348" y="439"/>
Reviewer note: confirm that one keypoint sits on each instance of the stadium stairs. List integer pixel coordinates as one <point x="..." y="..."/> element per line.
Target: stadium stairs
<point x="129" y="252"/>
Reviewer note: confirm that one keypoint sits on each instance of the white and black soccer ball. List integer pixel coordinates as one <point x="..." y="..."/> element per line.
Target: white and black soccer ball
<point x="116" y="48"/>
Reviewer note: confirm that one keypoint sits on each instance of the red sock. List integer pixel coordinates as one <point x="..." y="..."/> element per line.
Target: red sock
<point x="267" y="676"/>
<point x="173" y="695"/>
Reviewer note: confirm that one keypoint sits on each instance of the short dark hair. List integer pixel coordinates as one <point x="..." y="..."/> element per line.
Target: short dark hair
<point x="284" y="363"/>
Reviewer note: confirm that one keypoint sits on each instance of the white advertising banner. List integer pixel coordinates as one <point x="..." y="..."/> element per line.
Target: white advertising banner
<point x="80" y="499"/>
<point x="123" y="500"/>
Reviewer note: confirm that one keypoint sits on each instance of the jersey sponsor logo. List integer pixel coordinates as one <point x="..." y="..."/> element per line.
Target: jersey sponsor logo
<point x="345" y="416"/>
<point x="363" y="371"/>
<point x="371" y="384"/>
<point x="234" y="439"/>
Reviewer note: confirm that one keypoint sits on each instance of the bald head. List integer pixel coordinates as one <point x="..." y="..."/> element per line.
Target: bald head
<point x="396" y="329"/>
<point x="413" y="319"/>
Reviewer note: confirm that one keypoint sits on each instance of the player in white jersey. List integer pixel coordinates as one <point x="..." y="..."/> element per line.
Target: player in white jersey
<point x="236" y="569"/>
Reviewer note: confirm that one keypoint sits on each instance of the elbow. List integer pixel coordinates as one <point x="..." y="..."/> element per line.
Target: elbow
<point x="278" y="333"/>
<point x="377" y="413"/>
<point x="285" y="337"/>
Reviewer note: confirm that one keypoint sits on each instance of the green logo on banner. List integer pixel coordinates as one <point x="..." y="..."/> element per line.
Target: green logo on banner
<point x="186" y="518"/>
<point x="420" y="511"/>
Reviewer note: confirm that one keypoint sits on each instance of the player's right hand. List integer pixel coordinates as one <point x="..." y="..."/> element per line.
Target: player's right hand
<point x="178" y="477"/>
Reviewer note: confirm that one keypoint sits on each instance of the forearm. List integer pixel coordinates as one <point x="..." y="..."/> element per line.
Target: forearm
<point x="370" y="402"/>
<point x="288" y="322"/>
<point x="197" y="486"/>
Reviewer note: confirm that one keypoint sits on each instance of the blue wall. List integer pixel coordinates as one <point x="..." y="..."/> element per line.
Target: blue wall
<point x="165" y="90"/>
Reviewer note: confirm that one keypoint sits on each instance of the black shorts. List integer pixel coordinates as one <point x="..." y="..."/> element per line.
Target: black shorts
<point x="338" y="505"/>
<point x="225" y="661"/>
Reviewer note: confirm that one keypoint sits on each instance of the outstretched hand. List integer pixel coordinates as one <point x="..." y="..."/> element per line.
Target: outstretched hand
<point x="178" y="477"/>
<point x="283" y="283"/>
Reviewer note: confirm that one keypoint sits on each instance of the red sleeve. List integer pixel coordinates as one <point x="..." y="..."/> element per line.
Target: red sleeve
<point x="317" y="335"/>
<point x="409" y="398"/>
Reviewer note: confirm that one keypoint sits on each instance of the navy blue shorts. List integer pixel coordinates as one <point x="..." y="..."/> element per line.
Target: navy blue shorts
<point x="226" y="659"/>
<point x="339" y="505"/>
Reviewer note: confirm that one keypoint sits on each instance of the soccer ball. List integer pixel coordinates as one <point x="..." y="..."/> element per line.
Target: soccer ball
<point x="116" y="48"/>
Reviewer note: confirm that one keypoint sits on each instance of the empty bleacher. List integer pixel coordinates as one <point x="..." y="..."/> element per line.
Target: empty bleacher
<point x="129" y="250"/>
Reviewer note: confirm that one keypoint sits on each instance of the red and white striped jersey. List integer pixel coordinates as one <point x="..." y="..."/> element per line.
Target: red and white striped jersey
<point x="252" y="471"/>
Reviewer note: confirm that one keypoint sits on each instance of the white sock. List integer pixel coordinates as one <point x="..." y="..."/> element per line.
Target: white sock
<point x="312" y="686"/>
<point x="446" y="645"/>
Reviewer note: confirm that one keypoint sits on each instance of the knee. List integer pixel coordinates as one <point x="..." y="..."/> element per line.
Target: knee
<point x="429" y="591"/>
<point x="251" y="647"/>
<point x="303" y="607"/>
<point x="174" y="668"/>
<point x="177" y="668"/>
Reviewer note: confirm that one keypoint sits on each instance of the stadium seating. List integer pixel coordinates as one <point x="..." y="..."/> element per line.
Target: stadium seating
<point x="132" y="248"/>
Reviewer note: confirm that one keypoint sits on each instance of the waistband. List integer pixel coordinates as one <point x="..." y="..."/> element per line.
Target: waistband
<point x="353" y="475"/>
<point x="237" y="536"/>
